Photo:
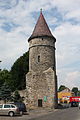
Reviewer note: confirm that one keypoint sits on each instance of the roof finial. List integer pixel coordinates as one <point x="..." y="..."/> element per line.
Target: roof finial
<point x="41" y="10"/>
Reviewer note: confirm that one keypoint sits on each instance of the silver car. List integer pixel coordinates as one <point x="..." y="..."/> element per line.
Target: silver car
<point x="79" y="105"/>
<point x="9" y="109"/>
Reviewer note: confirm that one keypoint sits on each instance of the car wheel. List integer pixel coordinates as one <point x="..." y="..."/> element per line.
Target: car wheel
<point x="11" y="114"/>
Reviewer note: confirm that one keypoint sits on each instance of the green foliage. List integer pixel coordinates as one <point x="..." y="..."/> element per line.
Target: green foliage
<point x="62" y="87"/>
<point x="16" y="78"/>
<point x="17" y="97"/>
<point x="79" y="93"/>
<point x="19" y="71"/>
<point x="5" y="93"/>
<point x="1" y="78"/>
<point x="5" y="77"/>
<point x="75" y="90"/>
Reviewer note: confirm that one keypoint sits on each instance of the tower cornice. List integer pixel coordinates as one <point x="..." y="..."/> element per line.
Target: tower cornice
<point x="42" y="36"/>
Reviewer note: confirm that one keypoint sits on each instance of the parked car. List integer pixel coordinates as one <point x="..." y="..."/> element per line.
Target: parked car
<point x="79" y="105"/>
<point x="21" y="106"/>
<point x="74" y="104"/>
<point x="9" y="109"/>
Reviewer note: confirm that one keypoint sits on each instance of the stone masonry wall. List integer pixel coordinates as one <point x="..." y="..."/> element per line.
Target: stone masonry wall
<point x="45" y="48"/>
<point x="41" y="78"/>
<point x="39" y="86"/>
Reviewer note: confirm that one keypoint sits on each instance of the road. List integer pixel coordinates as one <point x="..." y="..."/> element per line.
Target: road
<point x="61" y="114"/>
<point x="64" y="114"/>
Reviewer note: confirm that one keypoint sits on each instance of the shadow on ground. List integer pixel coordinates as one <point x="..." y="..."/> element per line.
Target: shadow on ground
<point x="60" y="106"/>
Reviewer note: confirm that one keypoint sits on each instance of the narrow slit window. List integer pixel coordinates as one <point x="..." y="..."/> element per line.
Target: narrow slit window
<point x="38" y="58"/>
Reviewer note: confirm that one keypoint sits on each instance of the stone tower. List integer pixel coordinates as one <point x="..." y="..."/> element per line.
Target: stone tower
<point x="41" y="80"/>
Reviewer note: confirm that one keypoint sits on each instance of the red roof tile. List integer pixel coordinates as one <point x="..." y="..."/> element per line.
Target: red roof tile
<point x="41" y="29"/>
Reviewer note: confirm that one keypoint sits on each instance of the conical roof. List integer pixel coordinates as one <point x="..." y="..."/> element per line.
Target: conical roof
<point x="41" y="29"/>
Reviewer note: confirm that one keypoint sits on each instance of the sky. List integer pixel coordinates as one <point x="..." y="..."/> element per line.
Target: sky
<point x="17" y="21"/>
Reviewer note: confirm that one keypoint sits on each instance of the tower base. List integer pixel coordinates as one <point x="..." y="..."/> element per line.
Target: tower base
<point x="40" y="87"/>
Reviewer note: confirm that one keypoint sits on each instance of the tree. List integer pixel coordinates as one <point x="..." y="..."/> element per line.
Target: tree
<point x="5" y="76"/>
<point x="5" y="93"/>
<point x="62" y="87"/>
<point x="1" y="78"/>
<point x="75" y="90"/>
<point x="78" y="93"/>
<point x="16" y="78"/>
<point x="19" y="71"/>
<point x="17" y="97"/>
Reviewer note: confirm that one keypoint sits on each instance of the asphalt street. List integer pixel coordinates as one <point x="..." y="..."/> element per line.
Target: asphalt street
<point x="61" y="114"/>
<point x="64" y="114"/>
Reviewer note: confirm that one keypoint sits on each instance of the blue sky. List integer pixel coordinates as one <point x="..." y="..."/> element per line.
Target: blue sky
<point x="17" y="21"/>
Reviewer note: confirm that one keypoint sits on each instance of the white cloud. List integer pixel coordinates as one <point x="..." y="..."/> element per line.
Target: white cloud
<point x="68" y="57"/>
<point x="12" y="45"/>
<point x="72" y="79"/>
<point x="67" y="43"/>
<point x="66" y="6"/>
<point x="73" y="15"/>
<point x="69" y="78"/>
